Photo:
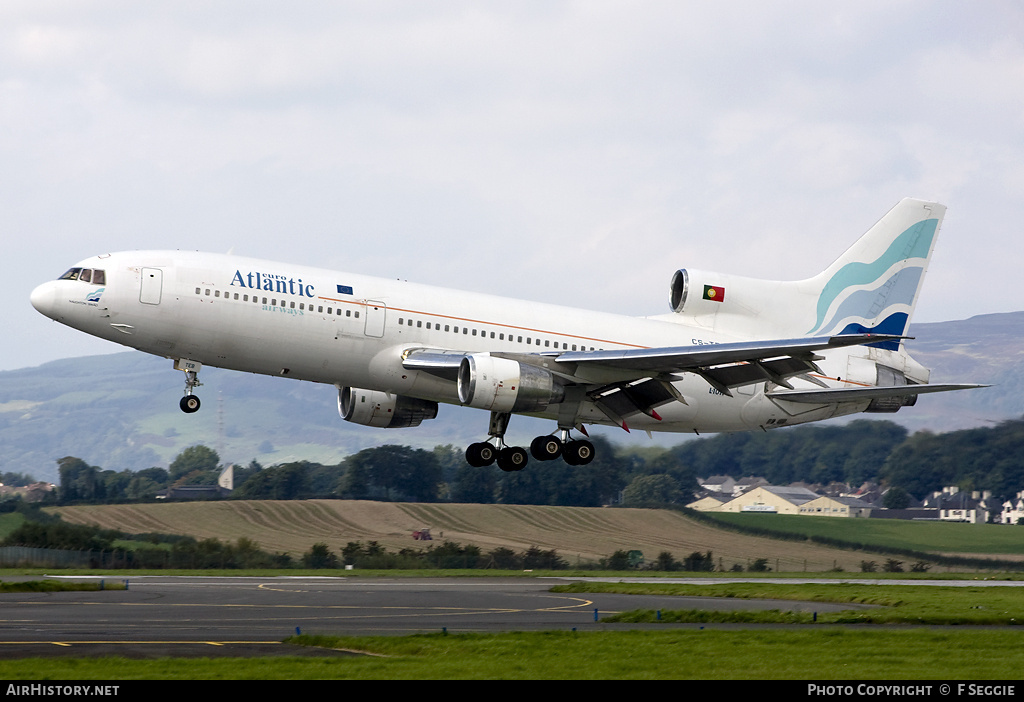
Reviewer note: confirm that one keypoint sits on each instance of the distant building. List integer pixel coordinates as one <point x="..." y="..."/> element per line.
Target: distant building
<point x="718" y="483"/>
<point x="744" y="485"/>
<point x="826" y="506"/>
<point x="956" y="506"/>
<point x="948" y="505"/>
<point x="36" y="492"/>
<point x="769" y="498"/>
<point x="1013" y="510"/>
<point x="871" y="492"/>
<point x="709" y="502"/>
<point x="226" y="479"/>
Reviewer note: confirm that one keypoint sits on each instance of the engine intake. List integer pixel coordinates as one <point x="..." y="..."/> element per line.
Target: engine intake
<point x="679" y="289"/>
<point x="504" y="385"/>
<point x="374" y="408"/>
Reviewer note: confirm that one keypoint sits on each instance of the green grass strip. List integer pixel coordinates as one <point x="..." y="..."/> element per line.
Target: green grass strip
<point x="895" y="604"/>
<point x="756" y="654"/>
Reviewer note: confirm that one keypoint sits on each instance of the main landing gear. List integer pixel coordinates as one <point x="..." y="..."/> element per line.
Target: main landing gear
<point x="575" y="452"/>
<point x="190" y="403"/>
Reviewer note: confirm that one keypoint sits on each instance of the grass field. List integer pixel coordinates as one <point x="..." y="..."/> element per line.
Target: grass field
<point x="826" y="653"/>
<point x="934" y="537"/>
<point x="891" y="604"/>
<point x="8" y="523"/>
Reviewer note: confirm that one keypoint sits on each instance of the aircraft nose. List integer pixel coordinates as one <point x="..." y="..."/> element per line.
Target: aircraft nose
<point x="43" y="298"/>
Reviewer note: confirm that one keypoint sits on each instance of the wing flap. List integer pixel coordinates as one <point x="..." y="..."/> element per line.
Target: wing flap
<point x="777" y="371"/>
<point x="825" y="396"/>
<point x="631" y="398"/>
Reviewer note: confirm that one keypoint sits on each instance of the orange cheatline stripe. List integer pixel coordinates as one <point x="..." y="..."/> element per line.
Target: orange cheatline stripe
<point x="838" y="380"/>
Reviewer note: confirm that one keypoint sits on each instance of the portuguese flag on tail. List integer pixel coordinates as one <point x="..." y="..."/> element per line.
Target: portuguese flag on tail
<point x="714" y="293"/>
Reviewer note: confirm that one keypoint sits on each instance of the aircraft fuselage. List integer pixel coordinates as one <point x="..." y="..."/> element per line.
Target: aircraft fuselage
<point x="351" y="330"/>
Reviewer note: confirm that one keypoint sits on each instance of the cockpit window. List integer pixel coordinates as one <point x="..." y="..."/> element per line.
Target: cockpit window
<point x="96" y="276"/>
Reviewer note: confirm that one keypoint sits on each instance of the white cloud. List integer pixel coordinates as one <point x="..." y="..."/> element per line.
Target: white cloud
<point x="535" y="149"/>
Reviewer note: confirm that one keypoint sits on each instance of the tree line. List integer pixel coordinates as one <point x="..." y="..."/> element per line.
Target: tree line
<point x="983" y="458"/>
<point x="389" y="473"/>
<point x="986" y="458"/>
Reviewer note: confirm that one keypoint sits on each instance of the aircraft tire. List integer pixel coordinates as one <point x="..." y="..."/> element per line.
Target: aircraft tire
<point x="546" y="448"/>
<point x="189" y="404"/>
<point x="512" y="459"/>
<point x="480" y="454"/>
<point x="578" y="453"/>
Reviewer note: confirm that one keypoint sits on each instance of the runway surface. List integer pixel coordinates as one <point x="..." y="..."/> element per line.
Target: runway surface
<point x="218" y="616"/>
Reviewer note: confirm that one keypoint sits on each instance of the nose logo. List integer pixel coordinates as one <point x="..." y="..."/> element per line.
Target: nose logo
<point x="95" y="295"/>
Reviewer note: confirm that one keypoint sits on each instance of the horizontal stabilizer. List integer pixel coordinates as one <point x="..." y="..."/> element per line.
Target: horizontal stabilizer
<point x="826" y="395"/>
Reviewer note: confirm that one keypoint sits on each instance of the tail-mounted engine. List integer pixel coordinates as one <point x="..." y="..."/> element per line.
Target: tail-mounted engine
<point x="890" y="376"/>
<point x="504" y="385"/>
<point x="741" y="306"/>
<point x="875" y="370"/>
<point x="373" y="408"/>
<point x="695" y="292"/>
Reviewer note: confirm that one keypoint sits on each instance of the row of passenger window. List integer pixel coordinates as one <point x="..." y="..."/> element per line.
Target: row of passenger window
<point x="483" y="333"/>
<point x="402" y="321"/>
<point x="273" y="302"/>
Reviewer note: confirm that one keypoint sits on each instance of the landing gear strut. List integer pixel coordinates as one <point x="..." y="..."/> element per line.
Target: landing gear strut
<point x="190" y="403"/>
<point x="484" y="453"/>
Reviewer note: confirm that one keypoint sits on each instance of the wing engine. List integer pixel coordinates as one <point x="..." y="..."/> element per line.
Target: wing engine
<point x="504" y="385"/>
<point x="374" y="408"/>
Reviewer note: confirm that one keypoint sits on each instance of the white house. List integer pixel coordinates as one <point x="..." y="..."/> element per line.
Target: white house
<point x="1013" y="510"/>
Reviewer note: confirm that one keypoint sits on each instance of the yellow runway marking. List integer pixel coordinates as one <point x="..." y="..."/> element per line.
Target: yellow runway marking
<point x="79" y="643"/>
<point x="576" y="603"/>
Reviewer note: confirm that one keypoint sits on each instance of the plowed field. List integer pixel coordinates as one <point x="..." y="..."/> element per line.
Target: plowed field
<point x="579" y="534"/>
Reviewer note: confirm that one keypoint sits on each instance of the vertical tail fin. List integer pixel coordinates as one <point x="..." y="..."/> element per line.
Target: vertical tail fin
<point x="874" y="286"/>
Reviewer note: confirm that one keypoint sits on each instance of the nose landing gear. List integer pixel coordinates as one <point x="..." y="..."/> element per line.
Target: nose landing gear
<point x="190" y="403"/>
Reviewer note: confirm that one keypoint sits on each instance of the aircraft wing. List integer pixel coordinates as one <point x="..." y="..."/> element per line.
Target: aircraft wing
<point x="725" y="366"/>
<point x="623" y="382"/>
<point x="683" y="358"/>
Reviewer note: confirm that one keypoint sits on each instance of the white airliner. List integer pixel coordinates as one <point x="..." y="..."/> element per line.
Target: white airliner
<point x="734" y="354"/>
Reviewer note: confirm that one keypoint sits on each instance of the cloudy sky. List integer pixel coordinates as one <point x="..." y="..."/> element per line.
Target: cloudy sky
<point x="572" y="152"/>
